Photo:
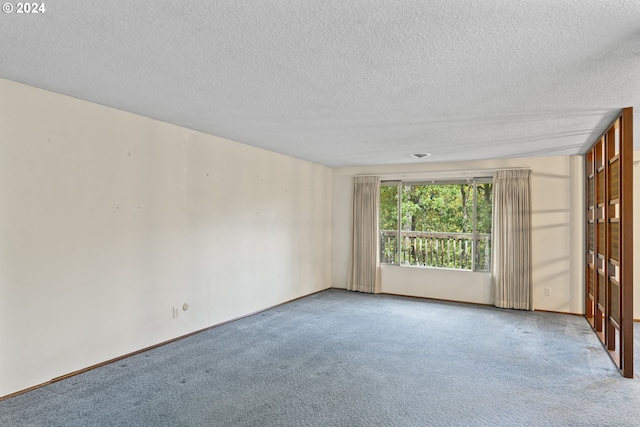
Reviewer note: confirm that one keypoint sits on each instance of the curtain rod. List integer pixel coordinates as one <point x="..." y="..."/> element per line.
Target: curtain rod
<point x="459" y="173"/>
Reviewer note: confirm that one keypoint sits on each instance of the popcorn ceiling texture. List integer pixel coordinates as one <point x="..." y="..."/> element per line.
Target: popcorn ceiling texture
<point x="345" y="83"/>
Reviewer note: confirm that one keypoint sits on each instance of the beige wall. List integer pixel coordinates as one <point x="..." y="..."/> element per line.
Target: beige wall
<point x="108" y="220"/>
<point x="636" y="235"/>
<point x="557" y="239"/>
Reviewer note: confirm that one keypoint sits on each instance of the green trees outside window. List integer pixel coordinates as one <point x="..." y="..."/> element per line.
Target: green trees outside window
<point x="439" y="224"/>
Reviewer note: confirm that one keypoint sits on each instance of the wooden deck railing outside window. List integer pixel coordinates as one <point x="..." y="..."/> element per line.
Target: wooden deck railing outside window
<point x="430" y="249"/>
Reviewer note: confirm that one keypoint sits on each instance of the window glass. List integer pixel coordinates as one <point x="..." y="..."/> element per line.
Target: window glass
<point x="442" y="224"/>
<point x="437" y="208"/>
<point x="484" y="212"/>
<point x="389" y="222"/>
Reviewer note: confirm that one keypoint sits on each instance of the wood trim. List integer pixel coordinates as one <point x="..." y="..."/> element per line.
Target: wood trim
<point x="116" y="359"/>
<point x="436" y="299"/>
<point x="626" y="233"/>
<point x="560" y="312"/>
<point x="473" y="303"/>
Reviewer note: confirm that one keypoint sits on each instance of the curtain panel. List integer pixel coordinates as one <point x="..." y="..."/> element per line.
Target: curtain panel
<point x="364" y="271"/>
<point x="511" y="266"/>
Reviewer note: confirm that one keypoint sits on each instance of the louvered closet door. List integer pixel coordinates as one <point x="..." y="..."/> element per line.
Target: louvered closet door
<point x="613" y="237"/>
<point x="599" y="230"/>
<point x="591" y="277"/>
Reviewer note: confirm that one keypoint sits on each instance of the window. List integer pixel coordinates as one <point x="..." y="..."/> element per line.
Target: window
<point x="444" y="224"/>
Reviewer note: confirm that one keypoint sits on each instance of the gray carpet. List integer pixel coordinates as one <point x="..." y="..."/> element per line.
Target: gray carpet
<point x="339" y="358"/>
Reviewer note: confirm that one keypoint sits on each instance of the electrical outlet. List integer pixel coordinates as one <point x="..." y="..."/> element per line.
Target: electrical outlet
<point x="176" y="312"/>
<point x="547" y="292"/>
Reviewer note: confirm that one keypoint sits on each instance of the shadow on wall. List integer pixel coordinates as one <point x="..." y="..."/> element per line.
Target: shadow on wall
<point x="555" y="277"/>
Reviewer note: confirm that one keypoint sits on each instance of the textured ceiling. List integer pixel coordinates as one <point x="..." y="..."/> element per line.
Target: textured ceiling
<point x="356" y="82"/>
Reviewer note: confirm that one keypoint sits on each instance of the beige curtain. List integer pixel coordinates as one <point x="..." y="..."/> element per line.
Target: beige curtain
<point x="511" y="267"/>
<point x="364" y="272"/>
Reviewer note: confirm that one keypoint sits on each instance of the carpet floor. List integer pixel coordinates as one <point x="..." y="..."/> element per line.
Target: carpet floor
<point x="340" y="358"/>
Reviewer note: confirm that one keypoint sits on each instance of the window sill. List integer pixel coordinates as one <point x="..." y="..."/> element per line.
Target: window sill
<point x="435" y="268"/>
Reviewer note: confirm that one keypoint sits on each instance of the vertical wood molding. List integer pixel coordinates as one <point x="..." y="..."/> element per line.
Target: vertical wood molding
<point x="626" y="233"/>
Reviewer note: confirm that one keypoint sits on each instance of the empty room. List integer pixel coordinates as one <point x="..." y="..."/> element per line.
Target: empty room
<point x="319" y="213"/>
